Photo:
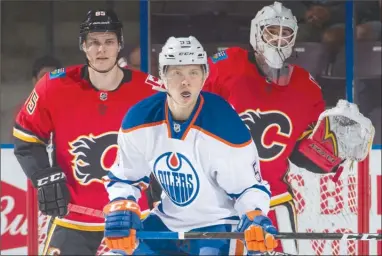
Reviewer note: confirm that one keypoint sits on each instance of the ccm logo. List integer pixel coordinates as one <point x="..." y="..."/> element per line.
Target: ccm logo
<point x="186" y="53"/>
<point x="51" y="178"/>
<point x="123" y="205"/>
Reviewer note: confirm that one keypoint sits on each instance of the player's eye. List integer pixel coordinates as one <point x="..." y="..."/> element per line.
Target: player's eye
<point x="94" y="43"/>
<point x="287" y="33"/>
<point x="195" y="73"/>
<point x="110" y="42"/>
<point x="174" y="73"/>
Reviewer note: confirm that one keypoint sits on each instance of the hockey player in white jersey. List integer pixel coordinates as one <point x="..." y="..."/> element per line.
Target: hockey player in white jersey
<point x="202" y="155"/>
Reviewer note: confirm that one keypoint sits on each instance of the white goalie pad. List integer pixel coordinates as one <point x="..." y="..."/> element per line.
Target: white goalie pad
<point x="354" y="132"/>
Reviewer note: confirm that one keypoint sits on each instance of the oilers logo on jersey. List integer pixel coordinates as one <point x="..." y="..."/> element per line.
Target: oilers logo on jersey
<point x="177" y="177"/>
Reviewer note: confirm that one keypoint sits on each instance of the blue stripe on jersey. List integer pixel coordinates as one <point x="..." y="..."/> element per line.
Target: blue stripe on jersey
<point x="149" y="110"/>
<point x="232" y="218"/>
<point x="135" y="183"/>
<point x="220" y="119"/>
<point x="256" y="186"/>
<point x="160" y="207"/>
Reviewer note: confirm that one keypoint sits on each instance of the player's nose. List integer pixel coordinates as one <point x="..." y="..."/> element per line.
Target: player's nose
<point x="101" y="48"/>
<point x="185" y="82"/>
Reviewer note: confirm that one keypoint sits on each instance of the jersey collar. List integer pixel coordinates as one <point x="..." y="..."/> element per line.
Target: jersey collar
<point x="179" y="130"/>
<point x="127" y="76"/>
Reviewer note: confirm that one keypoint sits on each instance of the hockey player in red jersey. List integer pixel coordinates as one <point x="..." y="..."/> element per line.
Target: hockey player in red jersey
<point x="82" y="106"/>
<point x="280" y="104"/>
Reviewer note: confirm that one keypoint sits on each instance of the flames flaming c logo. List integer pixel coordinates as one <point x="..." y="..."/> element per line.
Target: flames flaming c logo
<point x="93" y="156"/>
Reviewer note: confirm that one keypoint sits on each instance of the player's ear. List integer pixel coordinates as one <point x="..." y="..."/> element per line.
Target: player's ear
<point x="119" y="47"/>
<point x="84" y="48"/>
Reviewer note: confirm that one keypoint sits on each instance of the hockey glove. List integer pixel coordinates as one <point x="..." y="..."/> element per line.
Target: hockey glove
<point x="341" y="133"/>
<point x="258" y="232"/>
<point x="122" y="219"/>
<point x="53" y="193"/>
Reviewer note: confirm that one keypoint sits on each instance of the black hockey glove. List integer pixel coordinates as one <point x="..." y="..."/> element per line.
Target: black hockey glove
<point x="154" y="192"/>
<point x="53" y="194"/>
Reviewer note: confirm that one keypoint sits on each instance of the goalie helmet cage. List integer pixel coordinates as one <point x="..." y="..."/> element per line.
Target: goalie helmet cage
<point x="321" y="205"/>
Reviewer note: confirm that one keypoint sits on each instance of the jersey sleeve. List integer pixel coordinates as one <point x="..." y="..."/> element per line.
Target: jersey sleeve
<point x="317" y="106"/>
<point x="241" y="178"/>
<point x="34" y="122"/>
<point x="318" y="103"/>
<point x="130" y="175"/>
<point x="32" y="130"/>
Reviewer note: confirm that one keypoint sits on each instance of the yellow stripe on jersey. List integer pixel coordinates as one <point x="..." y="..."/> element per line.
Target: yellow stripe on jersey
<point x="280" y="199"/>
<point x="26" y="137"/>
<point x="63" y="223"/>
<point x="84" y="227"/>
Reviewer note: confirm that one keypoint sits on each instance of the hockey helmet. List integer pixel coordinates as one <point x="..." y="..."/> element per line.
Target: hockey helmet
<point x="277" y="46"/>
<point x="101" y="21"/>
<point x="182" y="51"/>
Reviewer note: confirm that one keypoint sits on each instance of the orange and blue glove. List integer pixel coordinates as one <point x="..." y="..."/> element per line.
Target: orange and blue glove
<point x="258" y="232"/>
<point x="122" y="220"/>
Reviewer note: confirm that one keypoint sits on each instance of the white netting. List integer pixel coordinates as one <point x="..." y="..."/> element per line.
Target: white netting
<point x="322" y="206"/>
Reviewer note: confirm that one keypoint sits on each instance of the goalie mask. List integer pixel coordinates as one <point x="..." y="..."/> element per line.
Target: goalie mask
<point x="273" y="34"/>
<point x="182" y="51"/>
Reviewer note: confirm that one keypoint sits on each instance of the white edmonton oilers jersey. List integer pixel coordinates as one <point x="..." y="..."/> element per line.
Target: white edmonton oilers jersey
<point x="207" y="166"/>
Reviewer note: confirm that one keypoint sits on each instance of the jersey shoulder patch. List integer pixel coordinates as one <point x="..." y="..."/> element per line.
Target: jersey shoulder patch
<point x="221" y="55"/>
<point x="58" y="73"/>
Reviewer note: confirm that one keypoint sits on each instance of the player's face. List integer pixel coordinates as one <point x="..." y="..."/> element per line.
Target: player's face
<point x="184" y="83"/>
<point x="277" y="35"/>
<point x="101" y="49"/>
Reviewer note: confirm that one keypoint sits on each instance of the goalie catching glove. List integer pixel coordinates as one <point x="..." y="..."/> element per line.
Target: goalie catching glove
<point x="258" y="232"/>
<point x="122" y="220"/>
<point x="53" y="193"/>
<point x="341" y="133"/>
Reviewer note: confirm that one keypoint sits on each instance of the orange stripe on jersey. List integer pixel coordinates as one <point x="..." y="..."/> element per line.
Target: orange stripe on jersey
<point x="167" y="121"/>
<point x="222" y="140"/>
<point x="26" y="137"/>
<point x="143" y="126"/>
<point x="194" y="118"/>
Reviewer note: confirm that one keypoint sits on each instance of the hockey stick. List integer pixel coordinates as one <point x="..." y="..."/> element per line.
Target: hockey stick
<point x="240" y="235"/>
<point x="85" y="210"/>
<point x="230" y="235"/>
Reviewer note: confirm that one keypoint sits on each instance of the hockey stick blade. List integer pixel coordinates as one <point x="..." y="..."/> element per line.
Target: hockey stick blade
<point x="230" y="235"/>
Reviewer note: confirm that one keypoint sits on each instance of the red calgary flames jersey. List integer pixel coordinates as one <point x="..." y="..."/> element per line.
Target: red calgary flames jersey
<point x="85" y="123"/>
<point x="277" y="116"/>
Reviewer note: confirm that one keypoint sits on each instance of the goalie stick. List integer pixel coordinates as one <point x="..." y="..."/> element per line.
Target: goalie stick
<point x="231" y="235"/>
